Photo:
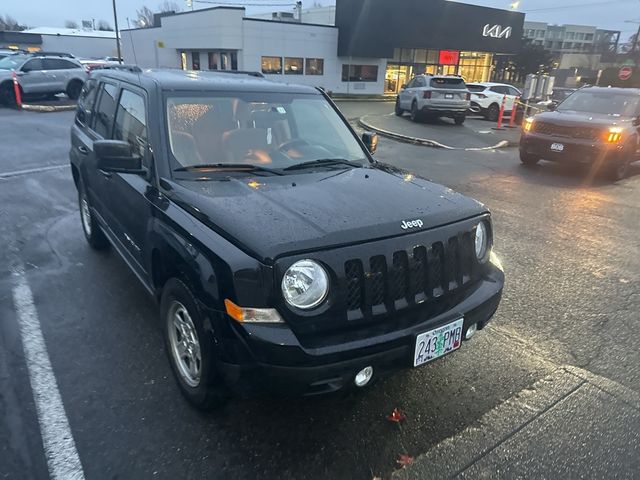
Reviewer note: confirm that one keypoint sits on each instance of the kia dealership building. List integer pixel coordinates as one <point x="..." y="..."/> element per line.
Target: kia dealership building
<point x="367" y="47"/>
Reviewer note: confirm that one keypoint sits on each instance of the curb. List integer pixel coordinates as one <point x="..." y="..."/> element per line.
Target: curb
<point x="456" y="454"/>
<point x="430" y="143"/>
<point x="48" y="108"/>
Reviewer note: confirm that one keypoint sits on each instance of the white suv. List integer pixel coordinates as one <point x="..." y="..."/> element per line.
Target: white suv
<point x="486" y="98"/>
<point x="434" y="96"/>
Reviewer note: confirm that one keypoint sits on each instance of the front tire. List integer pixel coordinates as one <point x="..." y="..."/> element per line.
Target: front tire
<point x="528" y="159"/>
<point x="398" y="111"/>
<point x="190" y="348"/>
<point x="459" y="120"/>
<point x="92" y="232"/>
<point x="618" y="171"/>
<point x="7" y="95"/>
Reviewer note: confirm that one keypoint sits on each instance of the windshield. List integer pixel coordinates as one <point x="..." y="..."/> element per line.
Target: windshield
<point x="268" y="130"/>
<point x="12" y="62"/>
<point x="603" y="102"/>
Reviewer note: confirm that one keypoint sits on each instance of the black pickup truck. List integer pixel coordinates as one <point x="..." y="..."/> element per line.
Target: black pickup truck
<point x="284" y="258"/>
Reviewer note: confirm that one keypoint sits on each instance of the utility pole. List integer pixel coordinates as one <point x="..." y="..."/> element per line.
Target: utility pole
<point x="115" y="21"/>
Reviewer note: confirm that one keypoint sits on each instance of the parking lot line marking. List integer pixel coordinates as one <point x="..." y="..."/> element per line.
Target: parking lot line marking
<point x="30" y="170"/>
<point x="59" y="447"/>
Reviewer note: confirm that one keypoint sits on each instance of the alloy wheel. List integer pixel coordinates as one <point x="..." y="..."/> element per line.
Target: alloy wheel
<point x="185" y="345"/>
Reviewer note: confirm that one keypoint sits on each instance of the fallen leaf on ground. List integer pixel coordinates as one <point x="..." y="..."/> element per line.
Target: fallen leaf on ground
<point x="396" y="416"/>
<point x="404" y="460"/>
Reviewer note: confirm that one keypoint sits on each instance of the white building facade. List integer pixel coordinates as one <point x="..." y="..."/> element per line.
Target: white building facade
<point x="338" y="58"/>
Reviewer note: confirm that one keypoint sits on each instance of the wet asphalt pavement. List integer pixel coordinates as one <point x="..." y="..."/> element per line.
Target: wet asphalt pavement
<point x="571" y="254"/>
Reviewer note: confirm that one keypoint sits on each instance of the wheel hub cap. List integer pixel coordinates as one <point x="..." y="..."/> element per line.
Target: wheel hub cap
<point x="185" y="346"/>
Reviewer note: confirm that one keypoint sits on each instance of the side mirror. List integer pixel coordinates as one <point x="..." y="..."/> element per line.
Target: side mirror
<point x="117" y="156"/>
<point x="370" y="140"/>
<point x="403" y="86"/>
<point x="552" y="106"/>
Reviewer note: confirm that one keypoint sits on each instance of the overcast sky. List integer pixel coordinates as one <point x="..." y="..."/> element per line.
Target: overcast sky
<point x="610" y="14"/>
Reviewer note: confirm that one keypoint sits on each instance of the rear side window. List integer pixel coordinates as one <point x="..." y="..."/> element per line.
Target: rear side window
<point x="106" y="110"/>
<point x="476" y="88"/>
<point x="131" y="121"/>
<point x="500" y="89"/>
<point x="58" y="64"/>
<point x="85" y="102"/>
<point x="420" y="82"/>
<point x="448" y="82"/>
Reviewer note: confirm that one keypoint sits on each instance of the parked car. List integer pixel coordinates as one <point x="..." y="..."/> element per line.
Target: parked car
<point x="283" y="257"/>
<point x="91" y="64"/>
<point x="594" y="125"/>
<point x="434" y="96"/>
<point x="40" y="75"/>
<point x="5" y="52"/>
<point x="487" y="97"/>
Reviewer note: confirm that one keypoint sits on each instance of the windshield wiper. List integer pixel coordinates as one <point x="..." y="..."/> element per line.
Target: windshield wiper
<point x="232" y="167"/>
<point x="324" y="162"/>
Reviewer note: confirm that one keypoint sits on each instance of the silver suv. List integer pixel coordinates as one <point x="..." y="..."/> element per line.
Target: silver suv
<point x="41" y="75"/>
<point x="434" y="96"/>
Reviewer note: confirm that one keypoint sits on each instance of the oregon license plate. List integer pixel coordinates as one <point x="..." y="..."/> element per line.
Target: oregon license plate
<point x="557" y="147"/>
<point x="436" y="343"/>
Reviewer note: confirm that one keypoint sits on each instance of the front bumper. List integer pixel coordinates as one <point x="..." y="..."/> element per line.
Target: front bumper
<point x="269" y="358"/>
<point x="574" y="150"/>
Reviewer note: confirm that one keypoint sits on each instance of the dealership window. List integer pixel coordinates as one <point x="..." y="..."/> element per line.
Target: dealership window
<point x="359" y="73"/>
<point x="271" y="64"/>
<point x="293" y="66"/>
<point x="314" y="66"/>
<point x="195" y="60"/>
<point x="183" y="60"/>
<point x="475" y="66"/>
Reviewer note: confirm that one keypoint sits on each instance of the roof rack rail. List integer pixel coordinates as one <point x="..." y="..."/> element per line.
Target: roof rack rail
<point x="51" y="54"/>
<point x="240" y="72"/>
<point x="123" y="66"/>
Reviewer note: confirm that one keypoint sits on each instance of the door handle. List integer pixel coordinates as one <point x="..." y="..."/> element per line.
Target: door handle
<point x="83" y="150"/>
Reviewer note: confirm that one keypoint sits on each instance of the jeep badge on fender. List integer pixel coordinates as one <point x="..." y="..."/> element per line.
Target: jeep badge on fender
<point x="260" y="286"/>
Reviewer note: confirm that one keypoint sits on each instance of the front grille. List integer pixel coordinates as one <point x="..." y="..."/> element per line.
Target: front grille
<point x="582" y="133"/>
<point x="384" y="283"/>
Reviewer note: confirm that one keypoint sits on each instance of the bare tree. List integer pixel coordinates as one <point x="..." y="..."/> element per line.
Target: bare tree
<point x="145" y="17"/>
<point x="105" y="26"/>
<point x="8" y="23"/>
<point x="70" y="24"/>
<point x="168" y="6"/>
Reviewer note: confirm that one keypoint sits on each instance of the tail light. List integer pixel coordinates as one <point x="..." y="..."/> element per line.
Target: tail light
<point x="468" y="96"/>
<point x="426" y="94"/>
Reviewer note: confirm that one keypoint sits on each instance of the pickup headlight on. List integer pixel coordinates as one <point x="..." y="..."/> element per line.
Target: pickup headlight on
<point x="482" y="242"/>
<point x="305" y="284"/>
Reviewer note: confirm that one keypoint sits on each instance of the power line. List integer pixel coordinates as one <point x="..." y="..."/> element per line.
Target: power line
<point x="592" y="4"/>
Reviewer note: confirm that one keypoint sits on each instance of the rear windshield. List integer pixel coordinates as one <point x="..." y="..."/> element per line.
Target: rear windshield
<point x="601" y="101"/>
<point x="448" y="82"/>
<point x="476" y="88"/>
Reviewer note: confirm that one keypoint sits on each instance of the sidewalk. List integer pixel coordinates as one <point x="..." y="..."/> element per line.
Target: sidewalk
<point x="474" y="134"/>
<point x="571" y="424"/>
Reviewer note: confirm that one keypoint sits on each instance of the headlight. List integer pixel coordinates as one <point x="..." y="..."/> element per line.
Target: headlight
<point x="482" y="242"/>
<point x="305" y="284"/>
<point x="528" y="123"/>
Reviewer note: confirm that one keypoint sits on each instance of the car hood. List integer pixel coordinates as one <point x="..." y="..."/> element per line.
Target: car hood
<point x="272" y="216"/>
<point x="572" y="118"/>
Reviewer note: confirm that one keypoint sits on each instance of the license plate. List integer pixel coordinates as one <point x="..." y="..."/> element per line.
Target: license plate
<point x="436" y="343"/>
<point x="448" y="95"/>
<point x="557" y="147"/>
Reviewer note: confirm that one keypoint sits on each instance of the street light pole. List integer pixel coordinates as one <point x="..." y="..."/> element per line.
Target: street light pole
<point x="115" y="21"/>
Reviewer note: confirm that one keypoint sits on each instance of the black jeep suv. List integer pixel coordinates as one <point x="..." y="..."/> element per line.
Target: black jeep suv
<point x="284" y="258"/>
<point x="596" y="126"/>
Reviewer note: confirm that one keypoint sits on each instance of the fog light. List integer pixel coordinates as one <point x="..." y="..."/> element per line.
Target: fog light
<point x="363" y="376"/>
<point x="471" y="331"/>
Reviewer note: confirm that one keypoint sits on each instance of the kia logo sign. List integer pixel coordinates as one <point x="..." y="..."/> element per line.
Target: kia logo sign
<point x="496" y="31"/>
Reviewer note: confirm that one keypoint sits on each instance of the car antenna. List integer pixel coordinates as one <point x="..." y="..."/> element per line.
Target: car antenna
<point x="135" y="59"/>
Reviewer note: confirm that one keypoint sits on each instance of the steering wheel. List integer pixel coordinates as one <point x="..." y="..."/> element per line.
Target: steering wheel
<point x="289" y="144"/>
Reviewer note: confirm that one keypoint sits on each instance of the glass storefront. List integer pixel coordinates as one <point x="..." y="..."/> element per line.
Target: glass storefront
<point x="409" y="62"/>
